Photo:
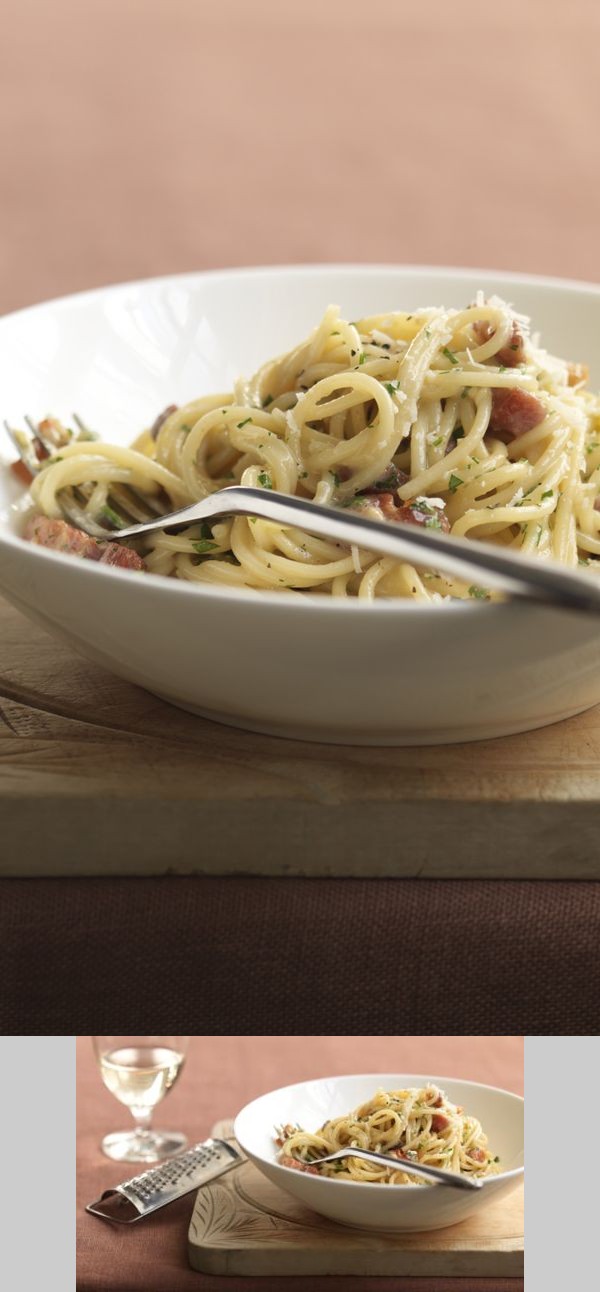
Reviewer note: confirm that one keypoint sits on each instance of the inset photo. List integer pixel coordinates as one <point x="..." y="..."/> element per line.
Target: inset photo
<point x="379" y="1159"/>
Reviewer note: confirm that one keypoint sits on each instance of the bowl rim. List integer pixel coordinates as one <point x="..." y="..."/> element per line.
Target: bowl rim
<point x="379" y="1077"/>
<point x="288" y="599"/>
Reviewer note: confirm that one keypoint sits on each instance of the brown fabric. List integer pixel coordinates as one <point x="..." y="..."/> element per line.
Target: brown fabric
<point x="221" y="1074"/>
<point x="243" y="952"/>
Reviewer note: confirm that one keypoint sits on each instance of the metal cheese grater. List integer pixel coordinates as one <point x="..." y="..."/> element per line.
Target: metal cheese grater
<point x="162" y="1184"/>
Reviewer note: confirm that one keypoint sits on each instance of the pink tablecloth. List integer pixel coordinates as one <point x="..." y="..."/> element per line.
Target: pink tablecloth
<point x="222" y="1073"/>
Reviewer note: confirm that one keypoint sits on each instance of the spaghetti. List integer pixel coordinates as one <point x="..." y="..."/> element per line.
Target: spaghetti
<point x="450" y="419"/>
<point x="414" y="1125"/>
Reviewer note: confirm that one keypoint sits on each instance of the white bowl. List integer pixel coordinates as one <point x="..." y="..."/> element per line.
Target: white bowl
<point x="382" y="1206"/>
<point x="389" y="672"/>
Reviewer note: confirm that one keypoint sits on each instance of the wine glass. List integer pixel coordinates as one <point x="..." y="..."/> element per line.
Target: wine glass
<point x="138" y="1071"/>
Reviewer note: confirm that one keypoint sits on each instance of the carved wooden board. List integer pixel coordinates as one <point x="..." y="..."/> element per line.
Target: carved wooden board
<point x="189" y="796"/>
<point x="242" y="1224"/>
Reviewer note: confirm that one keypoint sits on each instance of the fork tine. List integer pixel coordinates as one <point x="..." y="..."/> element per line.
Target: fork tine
<point x="62" y="436"/>
<point x="138" y="505"/>
<point x="78" y="517"/>
<point x="84" y="431"/>
<point x="24" y="448"/>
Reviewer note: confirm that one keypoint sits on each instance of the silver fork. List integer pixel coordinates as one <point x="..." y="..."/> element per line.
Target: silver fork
<point x="401" y="1164"/>
<point x="480" y="564"/>
<point x="494" y="567"/>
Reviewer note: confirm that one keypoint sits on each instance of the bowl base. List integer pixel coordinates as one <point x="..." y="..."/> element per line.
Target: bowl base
<point x="395" y="739"/>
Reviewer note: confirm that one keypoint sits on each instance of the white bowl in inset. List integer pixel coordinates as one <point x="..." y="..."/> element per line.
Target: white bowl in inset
<point x="382" y="1206"/>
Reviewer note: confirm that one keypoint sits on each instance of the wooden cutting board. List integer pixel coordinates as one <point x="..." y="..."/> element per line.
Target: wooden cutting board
<point x="87" y="757"/>
<point x="242" y="1224"/>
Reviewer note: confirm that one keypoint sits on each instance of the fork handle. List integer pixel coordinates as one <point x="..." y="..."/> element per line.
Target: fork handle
<point x="495" y="567"/>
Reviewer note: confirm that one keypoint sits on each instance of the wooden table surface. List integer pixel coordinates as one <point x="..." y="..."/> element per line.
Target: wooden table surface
<point x="99" y="777"/>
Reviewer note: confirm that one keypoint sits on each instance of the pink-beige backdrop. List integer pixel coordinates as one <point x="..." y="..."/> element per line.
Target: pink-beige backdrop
<point x="142" y="137"/>
<point x="222" y="1073"/>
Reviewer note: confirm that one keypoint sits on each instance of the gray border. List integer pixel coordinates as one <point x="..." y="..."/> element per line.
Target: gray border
<point x="37" y="1190"/>
<point x="562" y="1078"/>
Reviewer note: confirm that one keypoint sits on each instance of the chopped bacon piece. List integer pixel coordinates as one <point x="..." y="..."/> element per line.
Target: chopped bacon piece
<point x="514" y="412"/>
<point x="418" y="512"/>
<point x="117" y="554"/>
<point x="21" y="471"/>
<point x="61" y="537"/>
<point x="512" y="353"/>
<point x="439" y="1122"/>
<point x="298" y="1166"/>
<point x="477" y="1154"/>
<point x="162" y="417"/>
<point x="577" y="372"/>
<point x="437" y="1103"/>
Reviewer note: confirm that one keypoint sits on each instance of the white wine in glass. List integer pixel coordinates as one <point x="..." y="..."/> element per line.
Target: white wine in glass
<point x="139" y="1071"/>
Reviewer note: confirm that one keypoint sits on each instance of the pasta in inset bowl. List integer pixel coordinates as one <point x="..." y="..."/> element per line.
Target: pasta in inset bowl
<point x="415" y="1125"/>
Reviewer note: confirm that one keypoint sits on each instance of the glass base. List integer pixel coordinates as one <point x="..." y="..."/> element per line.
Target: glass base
<point x="143" y="1146"/>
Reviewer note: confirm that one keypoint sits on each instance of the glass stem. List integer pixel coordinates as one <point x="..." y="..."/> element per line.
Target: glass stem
<point x="143" y="1120"/>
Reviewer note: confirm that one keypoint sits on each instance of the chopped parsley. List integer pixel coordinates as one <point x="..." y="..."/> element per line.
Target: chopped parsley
<point x="449" y="355"/>
<point x="392" y="387"/>
<point x="185" y="429"/>
<point x="336" y="478"/>
<point x="244" y="423"/>
<point x="205" y="530"/>
<point x="459" y="433"/>
<point x="438" y="440"/>
<point x="203" y="545"/>
<point x="362" y="358"/>
<point x="112" y="517"/>
<point x="583" y="560"/>
<point x="539" y="535"/>
<point x="480" y="594"/>
<point x="454" y="482"/>
<point x="548" y="494"/>
<point x="264" y="479"/>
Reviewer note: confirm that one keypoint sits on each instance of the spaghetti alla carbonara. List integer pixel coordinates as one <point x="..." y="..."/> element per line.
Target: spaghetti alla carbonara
<point x="452" y="419"/>
<point x="414" y="1125"/>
